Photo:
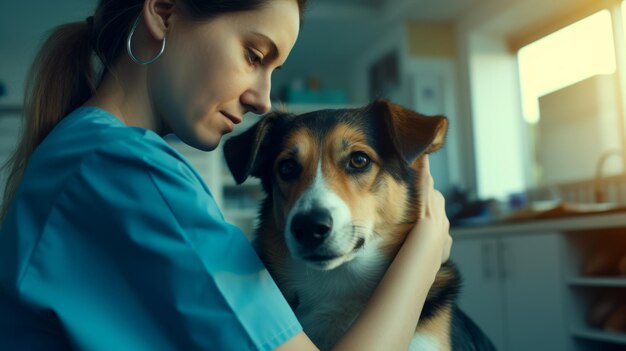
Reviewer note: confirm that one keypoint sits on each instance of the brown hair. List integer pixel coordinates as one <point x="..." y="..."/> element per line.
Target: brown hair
<point x="63" y="77"/>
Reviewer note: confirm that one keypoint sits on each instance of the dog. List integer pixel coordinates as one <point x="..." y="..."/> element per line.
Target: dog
<point x="341" y="195"/>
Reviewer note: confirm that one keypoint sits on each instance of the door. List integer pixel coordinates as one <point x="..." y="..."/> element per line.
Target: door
<point x="481" y="296"/>
<point x="533" y="284"/>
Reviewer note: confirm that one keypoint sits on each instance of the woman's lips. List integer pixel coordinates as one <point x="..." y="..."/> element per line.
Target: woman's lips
<point x="230" y="121"/>
<point x="234" y="119"/>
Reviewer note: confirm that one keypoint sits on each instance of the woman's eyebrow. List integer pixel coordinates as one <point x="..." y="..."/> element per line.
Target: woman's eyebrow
<point x="274" y="53"/>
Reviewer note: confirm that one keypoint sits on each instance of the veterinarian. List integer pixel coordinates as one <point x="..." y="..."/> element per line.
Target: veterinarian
<point x="111" y="241"/>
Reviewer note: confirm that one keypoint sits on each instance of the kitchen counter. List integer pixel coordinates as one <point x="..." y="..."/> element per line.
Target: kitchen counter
<point x="570" y="223"/>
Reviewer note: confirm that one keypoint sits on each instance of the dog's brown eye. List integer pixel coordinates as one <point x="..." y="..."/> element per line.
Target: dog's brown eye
<point x="288" y="169"/>
<point x="359" y="160"/>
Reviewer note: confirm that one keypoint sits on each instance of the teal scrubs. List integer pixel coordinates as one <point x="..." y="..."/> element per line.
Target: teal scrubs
<point x="115" y="243"/>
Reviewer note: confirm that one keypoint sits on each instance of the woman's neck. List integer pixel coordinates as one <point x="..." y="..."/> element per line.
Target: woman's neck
<point x="123" y="92"/>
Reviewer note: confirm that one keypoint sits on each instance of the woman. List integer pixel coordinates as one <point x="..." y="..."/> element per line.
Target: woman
<point x="111" y="241"/>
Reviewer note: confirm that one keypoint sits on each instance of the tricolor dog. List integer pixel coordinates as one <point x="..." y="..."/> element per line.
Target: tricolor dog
<point x="341" y="190"/>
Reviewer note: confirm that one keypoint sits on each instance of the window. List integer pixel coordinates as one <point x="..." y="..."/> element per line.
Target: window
<point x="570" y="101"/>
<point x="577" y="52"/>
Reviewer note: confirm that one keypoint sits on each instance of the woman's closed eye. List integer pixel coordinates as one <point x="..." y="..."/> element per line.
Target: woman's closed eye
<point x="254" y="57"/>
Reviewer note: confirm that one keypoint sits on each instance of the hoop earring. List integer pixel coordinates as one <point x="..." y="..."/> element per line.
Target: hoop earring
<point x="130" y="50"/>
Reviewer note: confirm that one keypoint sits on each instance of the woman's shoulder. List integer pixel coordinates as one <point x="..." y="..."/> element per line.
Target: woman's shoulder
<point x="89" y="131"/>
<point x="92" y="141"/>
<point x="93" y="128"/>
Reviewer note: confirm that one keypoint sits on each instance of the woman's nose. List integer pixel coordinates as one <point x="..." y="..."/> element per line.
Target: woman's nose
<point x="257" y="98"/>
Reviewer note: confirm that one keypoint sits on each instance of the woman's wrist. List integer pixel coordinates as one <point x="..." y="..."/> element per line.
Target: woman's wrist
<point x="425" y="240"/>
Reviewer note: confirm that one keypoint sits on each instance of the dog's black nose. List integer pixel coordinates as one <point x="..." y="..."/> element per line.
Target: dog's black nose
<point x="312" y="228"/>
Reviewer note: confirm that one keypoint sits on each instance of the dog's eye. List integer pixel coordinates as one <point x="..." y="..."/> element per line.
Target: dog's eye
<point x="359" y="161"/>
<point x="288" y="169"/>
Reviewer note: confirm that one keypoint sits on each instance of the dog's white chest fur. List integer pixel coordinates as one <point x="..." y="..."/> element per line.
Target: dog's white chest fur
<point x="330" y="301"/>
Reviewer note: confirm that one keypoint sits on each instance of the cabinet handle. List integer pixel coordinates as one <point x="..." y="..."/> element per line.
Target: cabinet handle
<point x="488" y="262"/>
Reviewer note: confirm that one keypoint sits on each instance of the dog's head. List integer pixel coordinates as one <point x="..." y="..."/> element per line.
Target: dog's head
<point x="340" y="183"/>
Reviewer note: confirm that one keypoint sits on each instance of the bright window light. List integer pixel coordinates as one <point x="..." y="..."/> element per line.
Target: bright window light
<point x="572" y="54"/>
<point x="624" y="15"/>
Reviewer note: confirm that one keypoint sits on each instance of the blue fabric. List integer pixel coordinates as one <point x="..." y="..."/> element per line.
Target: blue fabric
<point x="115" y="243"/>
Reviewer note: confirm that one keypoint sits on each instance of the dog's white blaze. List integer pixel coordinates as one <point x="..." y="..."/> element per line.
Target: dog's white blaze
<point x="318" y="195"/>
<point x="424" y="342"/>
<point x="347" y="286"/>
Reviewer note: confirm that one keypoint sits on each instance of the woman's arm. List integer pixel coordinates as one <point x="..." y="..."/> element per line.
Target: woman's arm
<point x="389" y="319"/>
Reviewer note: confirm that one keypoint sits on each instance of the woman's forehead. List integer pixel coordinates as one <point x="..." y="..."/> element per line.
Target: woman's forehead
<point x="277" y="20"/>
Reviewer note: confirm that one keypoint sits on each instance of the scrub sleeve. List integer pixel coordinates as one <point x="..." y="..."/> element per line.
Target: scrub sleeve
<point x="134" y="254"/>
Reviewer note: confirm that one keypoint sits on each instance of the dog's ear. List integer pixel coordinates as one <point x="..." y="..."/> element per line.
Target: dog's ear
<point x="246" y="153"/>
<point x="412" y="133"/>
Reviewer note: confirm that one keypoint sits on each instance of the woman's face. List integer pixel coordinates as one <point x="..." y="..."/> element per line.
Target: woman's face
<point x="212" y="72"/>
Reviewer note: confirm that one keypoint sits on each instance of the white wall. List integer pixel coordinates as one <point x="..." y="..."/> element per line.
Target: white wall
<point x="488" y="91"/>
<point x="9" y="131"/>
<point x="394" y="39"/>
<point x="23" y="26"/>
<point x="499" y="131"/>
<point x="416" y="75"/>
<point x="433" y="89"/>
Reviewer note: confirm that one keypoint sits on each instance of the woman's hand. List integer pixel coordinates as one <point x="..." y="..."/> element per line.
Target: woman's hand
<point x="433" y="226"/>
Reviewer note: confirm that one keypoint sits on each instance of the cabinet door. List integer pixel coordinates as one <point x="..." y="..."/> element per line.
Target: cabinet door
<point x="533" y="283"/>
<point x="481" y="295"/>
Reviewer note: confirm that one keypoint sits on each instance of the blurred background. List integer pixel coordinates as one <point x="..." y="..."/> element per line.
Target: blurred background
<point x="533" y="165"/>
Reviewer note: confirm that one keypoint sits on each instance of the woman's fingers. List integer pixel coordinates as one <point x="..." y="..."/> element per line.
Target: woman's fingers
<point x="426" y="189"/>
<point x="432" y="210"/>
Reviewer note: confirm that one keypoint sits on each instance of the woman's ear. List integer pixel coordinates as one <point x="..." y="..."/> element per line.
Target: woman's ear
<point x="157" y="15"/>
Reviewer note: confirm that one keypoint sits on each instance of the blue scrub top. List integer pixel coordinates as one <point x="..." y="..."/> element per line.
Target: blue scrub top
<point x="115" y="243"/>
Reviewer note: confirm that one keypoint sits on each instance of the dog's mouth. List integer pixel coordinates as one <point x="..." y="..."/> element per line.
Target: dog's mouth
<point x="359" y="244"/>
<point x="320" y="258"/>
<point x="326" y="260"/>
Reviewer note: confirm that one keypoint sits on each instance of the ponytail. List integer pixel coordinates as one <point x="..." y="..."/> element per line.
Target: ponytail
<point x="60" y="80"/>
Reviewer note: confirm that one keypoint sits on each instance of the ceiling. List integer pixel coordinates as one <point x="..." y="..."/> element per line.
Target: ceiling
<point x="333" y="34"/>
<point x="427" y="10"/>
<point x="351" y="19"/>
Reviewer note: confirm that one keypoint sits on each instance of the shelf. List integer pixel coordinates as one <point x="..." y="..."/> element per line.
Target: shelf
<point x="10" y="110"/>
<point x="239" y="214"/>
<point x="600" y="335"/>
<point x="600" y="281"/>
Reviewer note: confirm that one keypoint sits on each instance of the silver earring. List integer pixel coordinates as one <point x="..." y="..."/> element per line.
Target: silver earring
<point x="130" y="50"/>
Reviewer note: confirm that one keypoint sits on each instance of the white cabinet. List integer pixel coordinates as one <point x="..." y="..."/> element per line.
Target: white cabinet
<point x="528" y="285"/>
<point x="481" y="293"/>
<point x="512" y="288"/>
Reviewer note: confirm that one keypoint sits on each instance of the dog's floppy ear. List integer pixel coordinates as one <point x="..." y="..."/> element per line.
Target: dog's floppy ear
<point x="244" y="152"/>
<point x="414" y="134"/>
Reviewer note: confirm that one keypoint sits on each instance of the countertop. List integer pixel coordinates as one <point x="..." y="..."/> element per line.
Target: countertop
<point x="567" y="223"/>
